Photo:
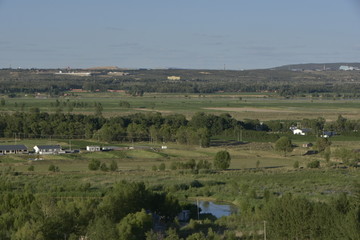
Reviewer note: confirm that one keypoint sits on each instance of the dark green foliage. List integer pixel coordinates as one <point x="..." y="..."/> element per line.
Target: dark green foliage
<point x="102" y="228"/>
<point x="327" y="154"/>
<point x="222" y="160"/>
<point x="162" y="167"/>
<point x="322" y="143"/>
<point x="124" y="104"/>
<point x="128" y="198"/>
<point x="296" y="164"/>
<point x="283" y="145"/>
<point x="314" y="164"/>
<point x="134" y="226"/>
<point x="342" y="204"/>
<point x="94" y="165"/>
<point x="113" y="166"/>
<point x="315" y="125"/>
<point x="31" y="168"/>
<point x="103" y="167"/>
<point x="53" y="168"/>
<point x="348" y="156"/>
<point x="203" y="164"/>
<point x="98" y="109"/>
<point x="298" y="218"/>
<point x="197" y="236"/>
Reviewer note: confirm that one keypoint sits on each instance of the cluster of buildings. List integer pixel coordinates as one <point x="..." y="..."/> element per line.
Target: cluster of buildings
<point x="38" y="149"/>
<point x="348" y="68"/>
<point x="56" y="149"/>
<point x="305" y="131"/>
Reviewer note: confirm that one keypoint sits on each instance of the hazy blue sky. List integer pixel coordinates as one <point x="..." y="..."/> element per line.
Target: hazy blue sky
<point x="242" y="34"/>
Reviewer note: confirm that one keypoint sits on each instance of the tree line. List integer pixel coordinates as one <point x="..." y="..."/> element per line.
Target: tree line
<point x="156" y="127"/>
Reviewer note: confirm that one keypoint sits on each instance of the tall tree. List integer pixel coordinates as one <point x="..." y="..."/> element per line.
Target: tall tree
<point x="283" y="145"/>
<point x="222" y="160"/>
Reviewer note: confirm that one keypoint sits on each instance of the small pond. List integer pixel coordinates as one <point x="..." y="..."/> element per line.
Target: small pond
<point x="218" y="209"/>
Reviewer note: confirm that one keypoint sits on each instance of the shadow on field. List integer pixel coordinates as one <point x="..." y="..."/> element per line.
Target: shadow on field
<point x="253" y="168"/>
<point x="217" y="143"/>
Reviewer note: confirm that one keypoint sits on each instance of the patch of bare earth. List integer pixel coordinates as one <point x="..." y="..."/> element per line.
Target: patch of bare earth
<point x="247" y="109"/>
<point x="151" y="110"/>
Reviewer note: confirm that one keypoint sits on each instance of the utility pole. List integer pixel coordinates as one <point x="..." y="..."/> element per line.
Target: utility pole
<point x="197" y="207"/>
<point x="264" y="230"/>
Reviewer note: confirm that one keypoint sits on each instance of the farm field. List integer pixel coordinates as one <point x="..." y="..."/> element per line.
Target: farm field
<point x="253" y="164"/>
<point x="240" y="106"/>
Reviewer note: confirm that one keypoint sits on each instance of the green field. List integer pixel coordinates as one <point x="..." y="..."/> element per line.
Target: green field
<point x="254" y="164"/>
<point x="240" y="105"/>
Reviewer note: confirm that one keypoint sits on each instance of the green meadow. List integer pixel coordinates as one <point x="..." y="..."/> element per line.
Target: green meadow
<point x="240" y="105"/>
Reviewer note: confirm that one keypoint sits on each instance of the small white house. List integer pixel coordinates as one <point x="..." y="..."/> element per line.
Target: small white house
<point x="93" y="148"/>
<point x="298" y="131"/>
<point x="48" y="149"/>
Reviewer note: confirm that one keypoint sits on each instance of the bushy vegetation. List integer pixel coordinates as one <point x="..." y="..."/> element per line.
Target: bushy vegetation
<point x="222" y="160"/>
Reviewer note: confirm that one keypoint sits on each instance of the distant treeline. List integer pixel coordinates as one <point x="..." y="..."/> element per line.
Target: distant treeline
<point x="138" y="82"/>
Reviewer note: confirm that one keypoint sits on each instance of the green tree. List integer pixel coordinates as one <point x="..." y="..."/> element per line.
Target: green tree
<point x="31" y="168"/>
<point x="346" y="155"/>
<point x="98" y="109"/>
<point x="283" y="145"/>
<point x="204" y="137"/>
<point x="53" y="168"/>
<point x="197" y="236"/>
<point x="314" y="164"/>
<point x="113" y="166"/>
<point x="340" y="123"/>
<point x="162" y="167"/>
<point x="94" y="164"/>
<point x="134" y="226"/>
<point x="322" y="143"/>
<point x="203" y="164"/>
<point x="222" y="160"/>
<point x="327" y="154"/>
<point x="296" y="164"/>
<point x="124" y="198"/>
<point x="124" y="104"/>
<point x="102" y="228"/>
<point x="103" y="167"/>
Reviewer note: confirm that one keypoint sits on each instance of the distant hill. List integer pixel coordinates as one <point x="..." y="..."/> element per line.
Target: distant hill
<point x="316" y="66"/>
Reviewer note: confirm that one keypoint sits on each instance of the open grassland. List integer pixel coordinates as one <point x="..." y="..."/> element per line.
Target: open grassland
<point x="245" y="155"/>
<point x="241" y="106"/>
<point x="254" y="167"/>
